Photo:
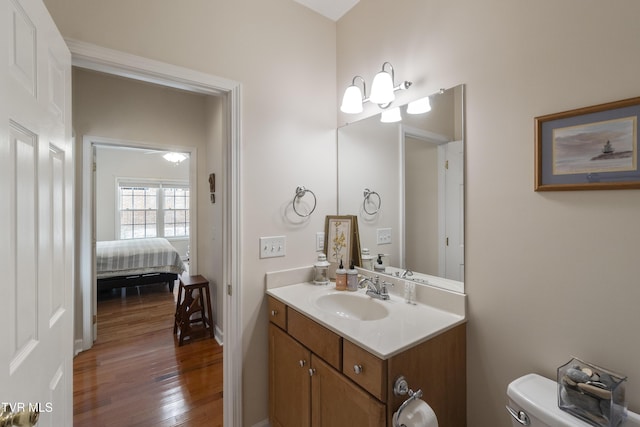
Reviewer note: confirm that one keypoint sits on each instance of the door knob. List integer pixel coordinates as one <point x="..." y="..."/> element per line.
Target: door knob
<point x="25" y="418"/>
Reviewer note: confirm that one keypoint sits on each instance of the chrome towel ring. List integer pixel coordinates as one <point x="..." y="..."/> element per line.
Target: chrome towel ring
<point x="367" y="194"/>
<point x="300" y="193"/>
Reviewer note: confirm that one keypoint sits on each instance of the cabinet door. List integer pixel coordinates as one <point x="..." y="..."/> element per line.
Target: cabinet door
<point x="337" y="402"/>
<point x="289" y="380"/>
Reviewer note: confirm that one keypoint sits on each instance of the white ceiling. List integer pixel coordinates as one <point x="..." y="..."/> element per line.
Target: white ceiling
<point x="332" y="9"/>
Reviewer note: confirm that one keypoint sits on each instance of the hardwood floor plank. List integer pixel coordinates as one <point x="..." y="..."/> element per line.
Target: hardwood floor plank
<point x="136" y="375"/>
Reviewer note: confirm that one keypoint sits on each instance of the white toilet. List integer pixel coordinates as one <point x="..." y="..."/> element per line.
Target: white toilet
<point x="535" y="398"/>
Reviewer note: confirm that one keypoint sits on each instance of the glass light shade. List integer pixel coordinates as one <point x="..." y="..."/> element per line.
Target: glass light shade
<point x="352" y="100"/>
<point x="419" y="106"/>
<point x="391" y="116"/>
<point x="174" y="157"/>
<point x="382" y="88"/>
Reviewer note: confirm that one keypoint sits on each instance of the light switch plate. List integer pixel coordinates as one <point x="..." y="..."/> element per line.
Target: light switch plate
<point x="319" y="241"/>
<point x="383" y="236"/>
<point x="271" y="247"/>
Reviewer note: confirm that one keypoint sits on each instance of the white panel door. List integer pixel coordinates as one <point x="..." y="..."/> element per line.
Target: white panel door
<point x="454" y="212"/>
<point x="36" y="215"/>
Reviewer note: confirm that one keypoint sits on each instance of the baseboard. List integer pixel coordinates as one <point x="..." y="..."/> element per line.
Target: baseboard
<point x="219" y="335"/>
<point x="263" y="423"/>
<point x="78" y="347"/>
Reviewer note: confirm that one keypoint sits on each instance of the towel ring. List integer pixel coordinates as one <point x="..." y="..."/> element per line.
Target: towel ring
<point x="368" y="193"/>
<point x="300" y="193"/>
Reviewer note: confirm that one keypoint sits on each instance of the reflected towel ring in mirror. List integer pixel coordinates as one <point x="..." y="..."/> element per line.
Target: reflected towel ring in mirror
<point x="300" y="193"/>
<point x="367" y="194"/>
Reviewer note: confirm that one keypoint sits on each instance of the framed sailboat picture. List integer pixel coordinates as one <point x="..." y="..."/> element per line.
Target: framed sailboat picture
<point x="590" y="148"/>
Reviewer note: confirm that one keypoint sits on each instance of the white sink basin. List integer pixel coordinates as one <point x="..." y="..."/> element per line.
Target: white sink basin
<point x="352" y="306"/>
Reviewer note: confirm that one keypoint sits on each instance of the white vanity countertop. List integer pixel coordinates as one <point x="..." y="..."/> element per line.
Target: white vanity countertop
<point x="405" y="326"/>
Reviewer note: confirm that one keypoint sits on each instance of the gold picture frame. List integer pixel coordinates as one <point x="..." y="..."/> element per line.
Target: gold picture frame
<point x="341" y="241"/>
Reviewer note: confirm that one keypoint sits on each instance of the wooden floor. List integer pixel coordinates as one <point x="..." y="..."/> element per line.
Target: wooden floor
<point x="136" y="375"/>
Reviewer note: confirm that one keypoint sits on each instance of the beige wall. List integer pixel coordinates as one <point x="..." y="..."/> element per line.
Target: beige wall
<point x="549" y="275"/>
<point x="284" y="56"/>
<point x="421" y="206"/>
<point x="117" y="163"/>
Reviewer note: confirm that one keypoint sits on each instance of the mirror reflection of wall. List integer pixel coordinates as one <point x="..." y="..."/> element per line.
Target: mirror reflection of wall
<point x="422" y="200"/>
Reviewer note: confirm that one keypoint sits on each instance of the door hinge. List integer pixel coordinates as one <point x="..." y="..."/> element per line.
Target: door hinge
<point x="229" y="289"/>
<point x="95" y="319"/>
<point x="447" y="242"/>
<point x="446" y="164"/>
<point x="94" y="166"/>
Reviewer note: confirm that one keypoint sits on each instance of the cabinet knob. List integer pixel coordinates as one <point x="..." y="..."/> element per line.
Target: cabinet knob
<point x="312" y="372"/>
<point x="302" y="363"/>
<point x="357" y="369"/>
<point x="274" y="313"/>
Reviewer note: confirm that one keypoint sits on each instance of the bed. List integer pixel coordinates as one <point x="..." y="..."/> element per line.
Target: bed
<point x="124" y="263"/>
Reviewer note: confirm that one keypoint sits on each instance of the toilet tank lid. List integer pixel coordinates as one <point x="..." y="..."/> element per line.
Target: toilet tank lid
<point x="538" y="397"/>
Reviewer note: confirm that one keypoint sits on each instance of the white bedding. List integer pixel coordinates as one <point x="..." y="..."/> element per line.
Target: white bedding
<point x="137" y="256"/>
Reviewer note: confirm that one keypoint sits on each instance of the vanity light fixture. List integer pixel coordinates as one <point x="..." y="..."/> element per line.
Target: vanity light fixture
<point x="382" y="91"/>
<point x="175" y="158"/>
<point x="354" y="98"/>
<point x="419" y="106"/>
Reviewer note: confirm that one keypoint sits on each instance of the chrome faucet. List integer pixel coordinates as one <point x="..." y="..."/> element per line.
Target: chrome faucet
<point x="375" y="289"/>
<point x="406" y="273"/>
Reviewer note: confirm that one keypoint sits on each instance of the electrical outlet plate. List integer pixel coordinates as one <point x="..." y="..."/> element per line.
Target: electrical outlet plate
<point x="383" y="236"/>
<point x="320" y="241"/>
<point x="271" y="247"/>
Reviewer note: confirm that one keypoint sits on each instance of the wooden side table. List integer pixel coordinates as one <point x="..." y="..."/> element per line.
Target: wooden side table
<point x="191" y="303"/>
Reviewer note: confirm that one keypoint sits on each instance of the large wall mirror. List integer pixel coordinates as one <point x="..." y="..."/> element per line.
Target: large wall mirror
<point x="405" y="182"/>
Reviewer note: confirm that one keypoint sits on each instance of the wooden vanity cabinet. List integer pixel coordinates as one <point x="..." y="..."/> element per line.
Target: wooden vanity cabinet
<point x="319" y="379"/>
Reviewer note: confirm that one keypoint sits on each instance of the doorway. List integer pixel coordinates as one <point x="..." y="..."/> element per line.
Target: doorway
<point x="96" y="58"/>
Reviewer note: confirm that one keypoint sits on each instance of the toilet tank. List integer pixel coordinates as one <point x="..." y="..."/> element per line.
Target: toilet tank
<point x="537" y="397"/>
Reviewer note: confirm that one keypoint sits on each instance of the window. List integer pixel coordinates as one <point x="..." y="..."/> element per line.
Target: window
<point x="153" y="209"/>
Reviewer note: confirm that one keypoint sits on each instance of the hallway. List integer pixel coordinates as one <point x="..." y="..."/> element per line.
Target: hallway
<point x="136" y="375"/>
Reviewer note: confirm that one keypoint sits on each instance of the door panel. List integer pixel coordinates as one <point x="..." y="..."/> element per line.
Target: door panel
<point x="23" y="49"/>
<point x="23" y="200"/>
<point x="289" y="380"/>
<point x="36" y="214"/>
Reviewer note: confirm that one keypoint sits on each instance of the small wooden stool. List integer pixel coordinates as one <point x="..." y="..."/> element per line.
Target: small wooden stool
<point x="188" y="305"/>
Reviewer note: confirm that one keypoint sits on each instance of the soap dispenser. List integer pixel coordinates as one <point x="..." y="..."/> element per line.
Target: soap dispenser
<point x="352" y="278"/>
<point x="379" y="267"/>
<point x="341" y="278"/>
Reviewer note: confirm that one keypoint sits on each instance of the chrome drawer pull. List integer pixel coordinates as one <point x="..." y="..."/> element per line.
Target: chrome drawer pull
<point x="302" y="363"/>
<point x="357" y="369"/>
<point x="274" y="313"/>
